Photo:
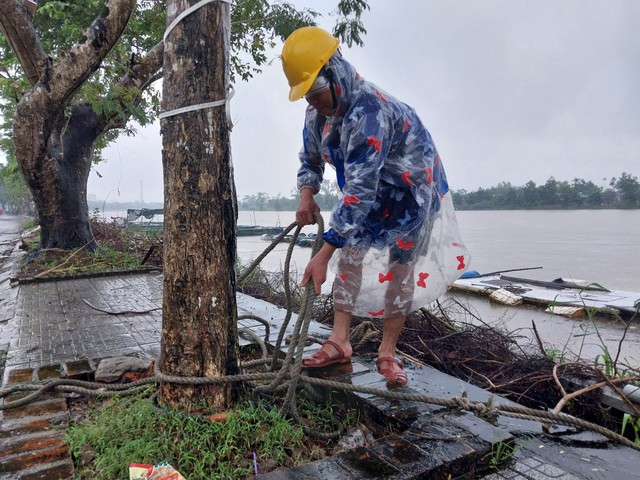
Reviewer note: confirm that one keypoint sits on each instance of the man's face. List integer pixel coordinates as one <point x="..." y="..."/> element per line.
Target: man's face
<point x="322" y="102"/>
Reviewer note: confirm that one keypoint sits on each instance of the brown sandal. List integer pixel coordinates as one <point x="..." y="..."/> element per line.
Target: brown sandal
<point x="394" y="376"/>
<point x="322" y="359"/>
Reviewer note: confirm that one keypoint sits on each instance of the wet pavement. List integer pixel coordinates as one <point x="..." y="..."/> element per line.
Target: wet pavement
<point x="52" y="323"/>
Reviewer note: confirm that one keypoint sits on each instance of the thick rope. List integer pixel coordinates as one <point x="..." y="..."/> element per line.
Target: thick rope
<point x="101" y="389"/>
<point x="289" y="377"/>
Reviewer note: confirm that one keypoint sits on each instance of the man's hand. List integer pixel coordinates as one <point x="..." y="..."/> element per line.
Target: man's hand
<point x="317" y="268"/>
<point x="307" y="206"/>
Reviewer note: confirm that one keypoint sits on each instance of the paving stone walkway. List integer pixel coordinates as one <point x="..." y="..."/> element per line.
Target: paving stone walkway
<point x="48" y="330"/>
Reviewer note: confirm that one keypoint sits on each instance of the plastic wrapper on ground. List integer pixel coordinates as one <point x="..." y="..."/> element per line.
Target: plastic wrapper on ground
<point x="161" y="471"/>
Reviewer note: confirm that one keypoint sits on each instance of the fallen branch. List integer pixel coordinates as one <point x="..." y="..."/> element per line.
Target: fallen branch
<point x="410" y="358"/>
<point x="539" y="340"/>
<point x="624" y="334"/>
<point x="569" y="396"/>
<point x="148" y="254"/>
<point x="557" y="380"/>
<point x="67" y="260"/>
<point x="491" y="385"/>
<point x="122" y="312"/>
<point x="444" y="321"/>
<point x="430" y="352"/>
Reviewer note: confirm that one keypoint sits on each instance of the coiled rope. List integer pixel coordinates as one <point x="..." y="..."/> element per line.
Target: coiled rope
<point x="286" y="374"/>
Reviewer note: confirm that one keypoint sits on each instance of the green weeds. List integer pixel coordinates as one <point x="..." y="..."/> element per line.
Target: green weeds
<point x="555" y="355"/>
<point x="29" y="224"/>
<point x="634" y="424"/>
<point x="501" y="454"/>
<point x="79" y="261"/>
<point x="124" y="431"/>
<point x="119" y="249"/>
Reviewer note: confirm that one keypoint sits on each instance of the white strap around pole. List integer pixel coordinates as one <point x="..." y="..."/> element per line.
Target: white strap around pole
<point x="199" y="106"/>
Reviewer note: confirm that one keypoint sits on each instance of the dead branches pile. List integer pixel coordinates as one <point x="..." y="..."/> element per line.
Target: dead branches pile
<point x="490" y="358"/>
<point x="482" y="355"/>
<point x="147" y="246"/>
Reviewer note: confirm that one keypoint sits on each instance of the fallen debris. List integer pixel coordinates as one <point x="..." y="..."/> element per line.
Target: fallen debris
<point x="505" y="297"/>
<point x="569" y="312"/>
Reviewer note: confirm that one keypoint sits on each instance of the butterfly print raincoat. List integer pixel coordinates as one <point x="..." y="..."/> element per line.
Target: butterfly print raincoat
<point x="395" y="224"/>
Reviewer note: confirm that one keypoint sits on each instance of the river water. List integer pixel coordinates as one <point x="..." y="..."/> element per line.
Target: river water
<point x="601" y="246"/>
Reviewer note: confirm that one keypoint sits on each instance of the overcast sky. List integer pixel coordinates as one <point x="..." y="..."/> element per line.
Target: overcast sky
<point x="511" y="90"/>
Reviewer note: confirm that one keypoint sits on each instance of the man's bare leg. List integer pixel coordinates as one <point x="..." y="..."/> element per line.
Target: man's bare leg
<point x="391" y="329"/>
<point x="345" y="290"/>
<point x="339" y="335"/>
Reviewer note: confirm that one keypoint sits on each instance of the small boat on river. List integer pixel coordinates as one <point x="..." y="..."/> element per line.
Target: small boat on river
<point x="561" y="296"/>
<point x="257" y="230"/>
<point x="304" y="240"/>
<point x="144" y="220"/>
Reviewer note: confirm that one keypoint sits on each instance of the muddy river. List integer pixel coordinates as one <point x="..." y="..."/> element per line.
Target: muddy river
<point x="600" y="246"/>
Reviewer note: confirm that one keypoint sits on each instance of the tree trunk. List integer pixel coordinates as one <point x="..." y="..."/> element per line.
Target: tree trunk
<point x="199" y="334"/>
<point x="54" y="149"/>
<point x="60" y="187"/>
<point x="59" y="183"/>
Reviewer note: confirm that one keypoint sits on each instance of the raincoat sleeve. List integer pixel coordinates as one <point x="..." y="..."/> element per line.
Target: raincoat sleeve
<point x="366" y="139"/>
<point x="311" y="169"/>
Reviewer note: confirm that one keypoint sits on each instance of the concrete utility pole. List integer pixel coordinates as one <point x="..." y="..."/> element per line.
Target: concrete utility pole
<point x="199" y="333"/>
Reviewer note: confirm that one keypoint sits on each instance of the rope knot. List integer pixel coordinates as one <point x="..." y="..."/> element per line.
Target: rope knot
<point x="489" y="411"/>
<point x="463" y="403"/>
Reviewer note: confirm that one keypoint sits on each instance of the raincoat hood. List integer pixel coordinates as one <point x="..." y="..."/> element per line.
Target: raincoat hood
<point x="347" y="83"/>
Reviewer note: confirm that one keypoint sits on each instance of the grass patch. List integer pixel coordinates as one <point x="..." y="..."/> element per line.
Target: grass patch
<point x="117" y="432"/>
<point x="119" y="249"/>
<point x="29" y="224"/>
<point x="502" y="453"/>
<point x="74" y="262"/>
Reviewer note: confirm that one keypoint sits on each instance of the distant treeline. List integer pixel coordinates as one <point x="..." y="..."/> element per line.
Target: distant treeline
<point x="326" y="199"/>
<point x="620" y="192"/>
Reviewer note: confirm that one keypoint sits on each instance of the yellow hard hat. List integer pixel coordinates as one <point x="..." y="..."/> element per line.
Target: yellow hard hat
<point x="304" y="53"/>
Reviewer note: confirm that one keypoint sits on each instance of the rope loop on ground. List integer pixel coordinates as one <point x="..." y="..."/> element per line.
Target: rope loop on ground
<point x="362" y="334"/>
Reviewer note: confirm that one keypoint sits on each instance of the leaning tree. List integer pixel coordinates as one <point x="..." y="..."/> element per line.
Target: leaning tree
<point x="74" y="73"/>
<point x="68" y="96"/>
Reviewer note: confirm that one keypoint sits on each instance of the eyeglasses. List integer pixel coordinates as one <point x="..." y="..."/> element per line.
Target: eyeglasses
<point x="319" y="85"/>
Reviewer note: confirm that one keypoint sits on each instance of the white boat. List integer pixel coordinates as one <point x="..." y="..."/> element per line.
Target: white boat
<point x="554" y="295"/>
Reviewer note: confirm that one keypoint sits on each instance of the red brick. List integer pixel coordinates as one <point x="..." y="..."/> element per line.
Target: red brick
<point x="20" y="375"/>
<point x="79" y="370"/>
<point x="22" y="462"/>
<point x="34" y="409"/>
<point x="52" y="471"/>
<point x="12" y="397"/>
<point x="30" y="443"/>
<point x="50" y="372"/>
<point x="128" y="377"/>
<point x="20" y="426"/>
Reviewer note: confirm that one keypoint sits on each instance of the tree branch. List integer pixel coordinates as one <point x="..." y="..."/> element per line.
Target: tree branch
<point x="140" y="77"/>
<point x="17" y="27"/>
<point x="84" y="59"/>
<point x="40" y="109"/>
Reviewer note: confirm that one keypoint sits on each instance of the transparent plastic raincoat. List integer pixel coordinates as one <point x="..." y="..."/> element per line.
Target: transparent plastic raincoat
<point x="395" y="224"/>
